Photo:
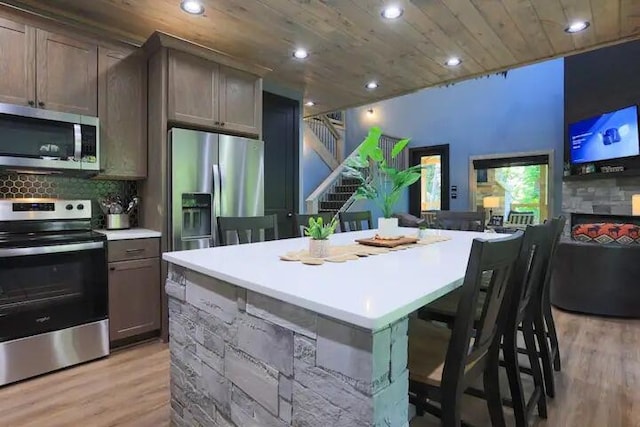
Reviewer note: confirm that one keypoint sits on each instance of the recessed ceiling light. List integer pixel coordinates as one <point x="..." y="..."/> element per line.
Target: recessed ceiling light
<point x="300" y="53"/>
<point x="309" y="103"/>
<point x="577" y="26"/>
<point x="193" y="7"/>
<point x="392" y="12"/>
<point x="454" y="61"/>
<point x="372" y="85"/>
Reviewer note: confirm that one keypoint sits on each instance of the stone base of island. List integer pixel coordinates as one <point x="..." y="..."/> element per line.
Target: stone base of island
<point x="239" y="358"/>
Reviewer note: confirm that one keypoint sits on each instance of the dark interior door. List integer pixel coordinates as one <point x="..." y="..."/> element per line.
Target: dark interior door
<point x="281" y="134"/>
<point x="431" y="192"/>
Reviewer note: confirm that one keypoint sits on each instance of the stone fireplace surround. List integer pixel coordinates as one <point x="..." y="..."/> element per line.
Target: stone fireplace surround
<point x="606" y="198"/>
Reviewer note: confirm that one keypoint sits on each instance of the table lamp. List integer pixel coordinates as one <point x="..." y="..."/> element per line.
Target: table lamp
<point x="635" y="204"/>
<point x="491" y="202"/>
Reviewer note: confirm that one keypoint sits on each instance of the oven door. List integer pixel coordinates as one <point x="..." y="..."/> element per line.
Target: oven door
<point x="49" y="288"/>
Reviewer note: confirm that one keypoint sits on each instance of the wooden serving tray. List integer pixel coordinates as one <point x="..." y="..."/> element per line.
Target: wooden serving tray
<point x="388" y="243"/>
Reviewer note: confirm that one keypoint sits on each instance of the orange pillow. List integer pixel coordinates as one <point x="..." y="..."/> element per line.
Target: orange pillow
<point x="624" y="234"/>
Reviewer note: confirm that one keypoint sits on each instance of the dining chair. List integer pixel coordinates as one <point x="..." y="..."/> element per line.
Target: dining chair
<point x="522" y="317"/>
<point x="248" y="229"/>
<point x="352" y="221"/>
<point x="545" y="325"/>
<point x="429" y="218"/>
<point x="463" y="221"/>
<point x="443" y="362"/>
<point x="302" y="220"/>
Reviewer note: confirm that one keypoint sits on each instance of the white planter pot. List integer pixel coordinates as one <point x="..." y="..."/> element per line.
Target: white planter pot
<point x="319" y="248"/>
<point x="422" y="233"/>
<point x="388" y="227"/>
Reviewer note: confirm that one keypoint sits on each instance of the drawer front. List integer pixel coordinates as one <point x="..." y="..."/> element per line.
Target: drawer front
<point x="126" y="250"/>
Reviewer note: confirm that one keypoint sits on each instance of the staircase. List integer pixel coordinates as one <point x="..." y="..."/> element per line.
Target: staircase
<point x="337" y="192"/>
<point x="337" y="198"/>
<point x="325" y="133"/>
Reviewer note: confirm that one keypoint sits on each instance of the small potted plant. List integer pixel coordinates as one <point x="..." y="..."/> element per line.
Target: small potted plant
<point x="384" y="184"/>
<point x="319" y="233"/>
<point x="422" y="230"/>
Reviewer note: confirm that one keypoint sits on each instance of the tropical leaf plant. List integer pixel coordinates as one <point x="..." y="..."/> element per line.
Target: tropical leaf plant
<point x="317" y="230"/>
<point x="385" y="183"/>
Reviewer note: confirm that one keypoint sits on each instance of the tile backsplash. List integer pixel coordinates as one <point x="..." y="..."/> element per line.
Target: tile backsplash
<point x="14" y="185"/>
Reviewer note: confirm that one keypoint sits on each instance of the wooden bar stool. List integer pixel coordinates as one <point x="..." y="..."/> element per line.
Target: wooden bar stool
<point x="442" y="362"/>
<point x="532" y="267"/>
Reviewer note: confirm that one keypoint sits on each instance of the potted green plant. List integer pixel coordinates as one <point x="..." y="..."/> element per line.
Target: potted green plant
<point x="319" y="233"/>
<point x="383" y="184"/>
<point x="422" y="230"/>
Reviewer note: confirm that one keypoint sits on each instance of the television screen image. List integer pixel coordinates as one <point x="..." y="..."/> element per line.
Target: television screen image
<point x="607" y="136"/>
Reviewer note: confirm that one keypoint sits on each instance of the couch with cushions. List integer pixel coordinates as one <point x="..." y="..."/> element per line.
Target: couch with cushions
<point x="597" y="270"/>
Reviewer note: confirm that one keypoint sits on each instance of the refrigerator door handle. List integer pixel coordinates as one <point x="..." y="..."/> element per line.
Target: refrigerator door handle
<point x="217" y="178"/>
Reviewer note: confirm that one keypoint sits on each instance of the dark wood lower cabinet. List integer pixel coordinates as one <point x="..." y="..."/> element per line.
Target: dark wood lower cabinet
<point x="134" y="298"/>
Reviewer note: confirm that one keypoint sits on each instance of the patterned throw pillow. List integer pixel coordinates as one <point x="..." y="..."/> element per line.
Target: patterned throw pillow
<point x="623" y="234"/>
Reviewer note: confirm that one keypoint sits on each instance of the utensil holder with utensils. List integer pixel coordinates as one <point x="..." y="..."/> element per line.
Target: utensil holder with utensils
<point x="116" y="214"/>
<point x="117" y="221"/>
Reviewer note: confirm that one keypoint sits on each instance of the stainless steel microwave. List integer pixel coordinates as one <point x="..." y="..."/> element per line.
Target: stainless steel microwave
<point x="33" y="139"/>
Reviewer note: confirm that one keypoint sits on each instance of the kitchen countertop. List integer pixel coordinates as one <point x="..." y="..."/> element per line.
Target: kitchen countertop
<point x="371" y="292"/>
<point x="131" y="233"/>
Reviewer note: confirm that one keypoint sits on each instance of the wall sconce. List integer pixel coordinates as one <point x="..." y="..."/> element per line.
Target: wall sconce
<point x="635" y="204"/>
<point x="370" y="111"/>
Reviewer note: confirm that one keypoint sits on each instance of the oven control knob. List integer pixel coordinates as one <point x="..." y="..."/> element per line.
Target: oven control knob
<point x="69" y="207"/>
<point x="80" y="207"/>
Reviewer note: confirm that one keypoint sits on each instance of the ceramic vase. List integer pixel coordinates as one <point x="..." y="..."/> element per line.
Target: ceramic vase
<point x="388" y="227"/>
<point x="319" y="248"/>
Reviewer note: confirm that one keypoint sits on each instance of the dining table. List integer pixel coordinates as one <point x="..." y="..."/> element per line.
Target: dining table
<point x="258" y="341"/>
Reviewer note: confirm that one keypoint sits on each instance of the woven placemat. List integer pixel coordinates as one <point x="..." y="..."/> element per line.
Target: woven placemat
<point x="355" y="251"/>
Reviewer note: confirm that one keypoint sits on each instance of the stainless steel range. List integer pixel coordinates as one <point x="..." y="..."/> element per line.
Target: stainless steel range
<point x="53" y="287"/>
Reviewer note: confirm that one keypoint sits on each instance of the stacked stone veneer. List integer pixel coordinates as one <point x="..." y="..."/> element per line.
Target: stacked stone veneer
<point x="611" y="196"/>
<point x="239" y="358"/>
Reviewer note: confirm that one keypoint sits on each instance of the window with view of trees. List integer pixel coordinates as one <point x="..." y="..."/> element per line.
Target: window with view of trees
<point x="521" y="189"/>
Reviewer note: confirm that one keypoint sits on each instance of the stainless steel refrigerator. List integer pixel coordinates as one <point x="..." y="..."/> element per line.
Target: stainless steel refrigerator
<point x="211" y="175"/>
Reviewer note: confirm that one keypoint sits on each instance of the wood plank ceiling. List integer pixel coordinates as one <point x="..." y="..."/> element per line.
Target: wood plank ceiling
<point x="349" y="42"/>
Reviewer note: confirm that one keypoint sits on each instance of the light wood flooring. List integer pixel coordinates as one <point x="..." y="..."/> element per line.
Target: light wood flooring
<point x="599" y="385"/>
<point x="129" y="388"/>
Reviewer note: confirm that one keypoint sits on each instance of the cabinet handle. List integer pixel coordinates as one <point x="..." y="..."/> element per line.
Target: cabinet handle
<point x="217" y="123"/>
<point x="222" y="124"/>
<point x="134" y="251"/>
<point x="112" y="268"/>
<point x="40" y="103"/>
<point x="32" y="102"/>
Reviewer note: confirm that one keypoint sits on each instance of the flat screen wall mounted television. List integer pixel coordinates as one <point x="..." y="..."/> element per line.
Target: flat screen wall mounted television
<point x="607" y="136"/>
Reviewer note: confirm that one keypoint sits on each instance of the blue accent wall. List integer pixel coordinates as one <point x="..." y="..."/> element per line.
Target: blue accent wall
<point x="315" y="170"/>
<point x="494" y="115"/>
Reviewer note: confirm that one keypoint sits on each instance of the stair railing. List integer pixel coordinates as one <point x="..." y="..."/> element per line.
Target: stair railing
<point x="330" y="132"/>
<point x="328" y="186"/>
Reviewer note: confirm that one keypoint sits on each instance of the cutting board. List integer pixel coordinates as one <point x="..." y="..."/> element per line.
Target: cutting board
<point x="388" y="243"/>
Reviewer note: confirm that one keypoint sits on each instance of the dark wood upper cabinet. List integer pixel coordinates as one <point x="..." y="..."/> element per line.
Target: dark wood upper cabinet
<point x="122" y="108"/>
<point x="67" y="74"/>
<point x="17" y="63"/>
<point x="204" y="94"/>
<point x="240" y="101"/>
<point x="193" y="90"/>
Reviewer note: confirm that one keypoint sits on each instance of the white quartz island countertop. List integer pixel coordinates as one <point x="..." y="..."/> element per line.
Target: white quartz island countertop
<point x="370" y="292"/>
<point x="130" y="233"/>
